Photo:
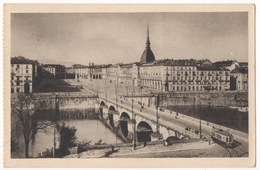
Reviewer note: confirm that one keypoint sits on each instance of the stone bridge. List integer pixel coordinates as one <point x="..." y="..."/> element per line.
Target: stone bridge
<point x="127" y="121"/>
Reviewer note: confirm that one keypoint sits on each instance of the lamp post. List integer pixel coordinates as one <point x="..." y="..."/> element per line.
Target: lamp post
<point x="141" y="98"/>
<point x="197" y="108"/>
<point x="54" y="125"/>
<point x="157" y="113"/>
<point x="133" y="121"/>
<point x="97" y="86"/>
<point x="200" y="126"/>
<point x="116" y="96"/>
<point x="106" y="90"/>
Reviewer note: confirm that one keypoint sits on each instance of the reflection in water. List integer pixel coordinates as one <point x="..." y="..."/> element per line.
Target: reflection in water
<point x="90" y="130"/>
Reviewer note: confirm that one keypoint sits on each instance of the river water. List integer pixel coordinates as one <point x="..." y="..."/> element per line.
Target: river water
<point x="224" y="116"/>
<point x="89" y="130"/>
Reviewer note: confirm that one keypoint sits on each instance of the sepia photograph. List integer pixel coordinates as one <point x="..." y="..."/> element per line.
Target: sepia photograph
<point x="102" y="85"/>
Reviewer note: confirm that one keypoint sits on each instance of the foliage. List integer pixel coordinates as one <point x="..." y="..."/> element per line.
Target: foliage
<point x="67" y="139"/>
<point x="27" y="110"/>
<point x="21" y="59"/>
<point x="82" y="145"/>
<point x="14" y="145"/>
<point x="55" y="85"/>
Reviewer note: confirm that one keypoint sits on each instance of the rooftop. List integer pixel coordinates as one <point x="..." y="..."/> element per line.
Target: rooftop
<point x="225" y="63"/>
<point x="243" y="70"/>
<point x="22" y="60"/>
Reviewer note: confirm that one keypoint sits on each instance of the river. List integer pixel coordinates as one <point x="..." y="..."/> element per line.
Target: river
<point x="224" y="116"/>
<point x="89" y="130"/>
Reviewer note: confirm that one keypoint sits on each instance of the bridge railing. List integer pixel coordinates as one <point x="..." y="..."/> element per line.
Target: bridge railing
<point x="206" y="124"/>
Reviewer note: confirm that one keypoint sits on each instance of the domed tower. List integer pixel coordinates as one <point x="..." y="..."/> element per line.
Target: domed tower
<point x="147" y="56"/>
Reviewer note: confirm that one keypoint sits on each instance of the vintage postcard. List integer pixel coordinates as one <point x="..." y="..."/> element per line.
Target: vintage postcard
<point x="129" y="86"/>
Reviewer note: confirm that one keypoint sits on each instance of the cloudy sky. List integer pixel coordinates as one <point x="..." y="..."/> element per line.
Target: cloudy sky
<point x="105" y="38"/>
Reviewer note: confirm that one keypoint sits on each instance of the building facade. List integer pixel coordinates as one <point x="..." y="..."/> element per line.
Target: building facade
<point x="24" y="74"/>
<point x="53" y="71"/>
<point x="239" y="79"/>
<point x="187" y="76"/>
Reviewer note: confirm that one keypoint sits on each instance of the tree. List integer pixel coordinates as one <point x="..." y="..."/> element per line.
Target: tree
<point x="27" y="110"/>
<point x="67" y="139"/>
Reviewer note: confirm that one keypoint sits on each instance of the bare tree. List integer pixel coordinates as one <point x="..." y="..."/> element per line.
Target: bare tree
<point x="27" y="110"/>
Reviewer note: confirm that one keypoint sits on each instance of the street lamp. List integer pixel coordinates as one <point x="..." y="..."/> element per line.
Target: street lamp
<point x="133" y="122"/>
<point x="54" y="125"/>
<point x="141" y="98"/>
<point x="116" y="96"/>
<point x="157" y="113"/>
<point x="106" y="90"/>
<point x="200" y="126"/>
<point x="97" y="87"/>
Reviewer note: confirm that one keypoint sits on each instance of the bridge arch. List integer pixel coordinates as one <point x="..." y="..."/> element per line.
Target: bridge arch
<point x="123" y="125"/>
<point x="144" y="131"/>
<point x="101" y="109"/>
<point x="111" y="112"/>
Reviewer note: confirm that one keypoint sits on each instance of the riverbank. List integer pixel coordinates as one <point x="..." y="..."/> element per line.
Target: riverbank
<point x="199" y="148"/>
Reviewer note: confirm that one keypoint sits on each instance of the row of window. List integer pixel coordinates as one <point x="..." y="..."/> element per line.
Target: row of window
<point x="18" y="78"/>
<point x="185" y="73"/>
<point x="199" y="78"/>
<point x="18" y="66"/>
<point x="196" y="88"/>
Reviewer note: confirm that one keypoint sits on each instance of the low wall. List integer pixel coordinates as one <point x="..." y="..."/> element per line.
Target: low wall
<point x="238" y="99"/>
<point x="228" y="98"/>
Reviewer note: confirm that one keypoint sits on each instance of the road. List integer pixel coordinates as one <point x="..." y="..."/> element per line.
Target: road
<point x="107" y="90"/>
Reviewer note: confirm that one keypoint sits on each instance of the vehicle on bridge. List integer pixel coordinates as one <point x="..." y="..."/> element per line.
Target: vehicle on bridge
<point x="174" y="139"/>
<point x="222" y="137"/>
<point x="171" y="140"/>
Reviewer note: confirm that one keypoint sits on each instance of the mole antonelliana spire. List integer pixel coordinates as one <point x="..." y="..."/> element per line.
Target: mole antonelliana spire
<point x="147" y="55"/>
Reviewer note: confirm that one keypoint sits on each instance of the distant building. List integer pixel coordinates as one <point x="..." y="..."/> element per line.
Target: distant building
<point x="70" y="73"/>
<point x="112" y="73"/>
<point x="243" y="64"/>
<point x="239" y="79"/>
<point x="24" y="74"/>
<point x="229" y="64"/>
<point x="183" y="75"/>
<point x="53" y="71"/>
<point x="125" y="74"/>
<point x="91" y="71"/>
<point x="80" y="71"/>
<point x="95" y="71"/>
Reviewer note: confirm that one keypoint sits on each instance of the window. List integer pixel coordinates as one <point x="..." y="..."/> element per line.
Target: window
<point x="26" y="71"/>
<point x="17" y="90"/>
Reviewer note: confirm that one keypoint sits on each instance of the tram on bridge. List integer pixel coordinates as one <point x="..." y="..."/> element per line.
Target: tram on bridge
<point x="222" y="137"/>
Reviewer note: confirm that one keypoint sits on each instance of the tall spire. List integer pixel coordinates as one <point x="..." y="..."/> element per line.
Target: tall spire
<point x="148" y="40"/>
<point x="147" y="56"/>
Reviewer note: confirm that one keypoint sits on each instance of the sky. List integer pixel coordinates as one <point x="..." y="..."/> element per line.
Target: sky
<point x="109" y="38"/>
